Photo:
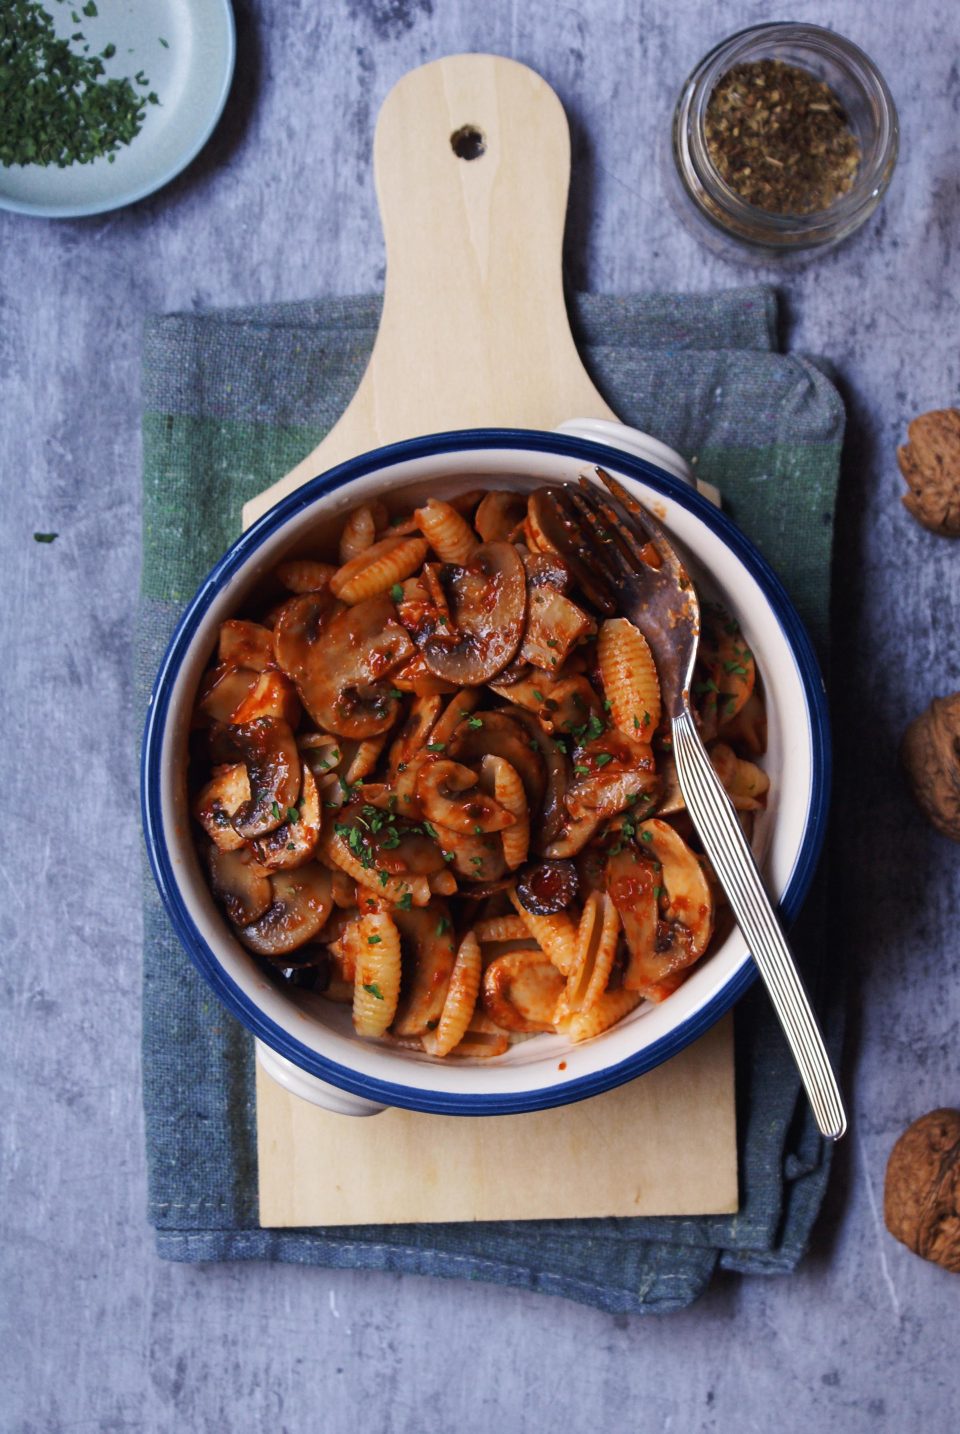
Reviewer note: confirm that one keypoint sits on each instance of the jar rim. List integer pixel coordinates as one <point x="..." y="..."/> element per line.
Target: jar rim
<point x="690" y="142"/>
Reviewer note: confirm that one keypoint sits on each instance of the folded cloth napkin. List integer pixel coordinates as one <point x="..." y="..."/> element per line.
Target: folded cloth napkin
<point x="232" y="401"/>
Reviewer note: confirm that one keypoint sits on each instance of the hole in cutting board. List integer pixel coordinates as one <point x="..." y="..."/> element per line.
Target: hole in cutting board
<point x="468" y="142"/>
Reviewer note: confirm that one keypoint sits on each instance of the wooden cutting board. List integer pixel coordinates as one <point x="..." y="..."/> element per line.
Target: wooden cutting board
<point x="472" y="165"/>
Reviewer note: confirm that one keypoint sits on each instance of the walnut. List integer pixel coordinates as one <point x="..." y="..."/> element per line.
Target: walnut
<point x="930" y="463"/>
<point x="930" y="752"/>
<point x="921" y="1198"/>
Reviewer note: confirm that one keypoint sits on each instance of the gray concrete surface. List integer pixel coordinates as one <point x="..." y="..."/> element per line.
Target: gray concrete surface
<point x="99" y="1335"/>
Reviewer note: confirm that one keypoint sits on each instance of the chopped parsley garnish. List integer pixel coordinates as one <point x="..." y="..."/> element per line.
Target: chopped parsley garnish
<point x="595" y="728"/>
<point x="292" y="814"/>
<point x="406" y="901"/>
<point x="602" y="758"/>
<point x="646" y="836"/>
<point x="275" y="808"/>
<point x="607" y="704"/>
<point x="431" y="830"/>
<point x="374" y="989"/>
<point x="384" y="877"/>
<point x="373" y="940"/>
<point x="447" y="855"/>
<point x="436" y="746"/>
<point x="442" y="926"/>
<point x="396" y="592"/>
<point x="474" y="722"/>
<point x="539" y="695"/>
<point x="582" y="771"/>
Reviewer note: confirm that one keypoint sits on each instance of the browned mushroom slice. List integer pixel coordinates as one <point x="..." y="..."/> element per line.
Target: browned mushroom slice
<point x="666" y="907"/>
<point x="340" y="672"/>
<point x="726" y="672"/>
<point x="221" y="692"/>
<point x="272" y="695"/>
<point x="502" y="734"/>
<point x="488" y="602"/>
<point x="451" y="796"/>
<point x="297" y="629"/>
<point x="383" y="841"/>
<point x="545" y="887"/>
<point x="245" y="644"/>
<point x="225" y="793"/>
<point x="300" y="903"/>
<point x="499" y="514"/>
<point x="547" y="570"/>
<point x="428" y="957"/>
<point x="562" y="706"/>
<point x="553" y="811"/>
<point x="554" y="627"/>
<point x="477" y="859"/>
<point x="521" y="990"/>
<point x="293" y="843"/>
<point x="415" y="732"/>
<point x="548" y="534"/>
<point x="268" y="748"/>
<point x="239" y="883"/>
<point x="612" y="771"/>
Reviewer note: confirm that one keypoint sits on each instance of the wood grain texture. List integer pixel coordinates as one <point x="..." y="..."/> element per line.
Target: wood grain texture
<point x="661" y="1145"/>
<point x="474" y="332"/>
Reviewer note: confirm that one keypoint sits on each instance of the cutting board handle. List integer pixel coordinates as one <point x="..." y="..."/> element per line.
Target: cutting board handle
<point x="472" y="166"/>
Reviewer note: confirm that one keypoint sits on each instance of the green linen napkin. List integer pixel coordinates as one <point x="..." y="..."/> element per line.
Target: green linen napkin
<point x="232" y="400"/>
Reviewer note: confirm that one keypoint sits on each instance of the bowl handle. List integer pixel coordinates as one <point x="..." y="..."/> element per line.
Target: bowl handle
<point x="312" y="1088"/>
<point x="638" y="445"/>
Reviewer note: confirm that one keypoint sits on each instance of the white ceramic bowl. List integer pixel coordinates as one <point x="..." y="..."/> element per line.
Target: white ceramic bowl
<point x="308" y="1043"/>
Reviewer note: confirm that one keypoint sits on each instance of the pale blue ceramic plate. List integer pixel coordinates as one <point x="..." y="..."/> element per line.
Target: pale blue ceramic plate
<point x="186" y="49"/>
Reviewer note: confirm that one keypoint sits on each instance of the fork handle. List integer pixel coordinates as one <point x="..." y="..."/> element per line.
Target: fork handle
<point x="728" y="849"/>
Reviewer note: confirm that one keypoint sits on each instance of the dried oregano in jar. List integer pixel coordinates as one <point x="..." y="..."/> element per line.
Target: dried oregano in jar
<point x="780" y="138"/>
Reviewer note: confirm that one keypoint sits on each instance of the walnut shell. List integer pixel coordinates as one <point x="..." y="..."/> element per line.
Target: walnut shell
<point x="930" y="752"/>
<point x="921" y="1198"/>
<point x="930" y="463"/>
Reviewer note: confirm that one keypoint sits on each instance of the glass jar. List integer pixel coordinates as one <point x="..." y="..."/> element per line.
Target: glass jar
<point x="718" y="211"/>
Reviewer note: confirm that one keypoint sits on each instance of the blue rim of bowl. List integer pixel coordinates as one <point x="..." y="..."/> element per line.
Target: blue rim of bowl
<point x="434" y="445"/>
<point x="134" y="195"/>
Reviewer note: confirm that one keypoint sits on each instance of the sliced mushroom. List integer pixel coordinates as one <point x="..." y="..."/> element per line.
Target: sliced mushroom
<point x="477" y="859"/>
<point x="340" y="666"/>
<point x="553" y="813"/>
<point x="665" y="904"/>
<point x="560" y="705"/>
<point x="272" y="695"/>
<point x="225" y="793"/>
<point x="726" y="671"/>
<point x="240" y="883"/>
<point x="268" y="749"/>
<point x="488" y="601"/>
<point x="221" y="692"/>
<point x="301" y="902"/>
<point x="548" y="534"/>
<point x="294" y="843"/>
<point x="499" y="514"/>
<point x="382" y="840"/>
<point x="297" y="629"/>
<point x="503" y="735"/>
<point x="415" y="732"/>
<point x="245" y="644"/>
<point x="555" y="625"/>
<point x="748" y="729"/>
<point x="451" y="796"/>
<point x="521" y="990"/>
<point x="428" y="959"/>
<point x="546" y="570"/>
<point x="611" y="771"/>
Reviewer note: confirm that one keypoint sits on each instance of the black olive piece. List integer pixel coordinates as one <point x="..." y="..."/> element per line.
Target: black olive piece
<point x="547" y="886"/>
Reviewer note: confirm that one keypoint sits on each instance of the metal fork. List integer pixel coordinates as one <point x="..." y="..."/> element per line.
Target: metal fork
<point x="631" y="555"/>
